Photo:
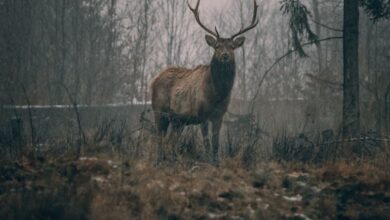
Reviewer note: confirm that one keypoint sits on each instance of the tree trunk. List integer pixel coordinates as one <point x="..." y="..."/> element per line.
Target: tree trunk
<point x="144" y="51"/>
<point x="387" y="110"/>
<point x="320" y="95"/>
<point x="243" y="50"/>
<point x="351" y="111"/>
<point x="317" y="18"/>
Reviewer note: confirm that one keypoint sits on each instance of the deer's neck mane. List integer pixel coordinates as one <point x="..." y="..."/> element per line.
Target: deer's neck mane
<point x="222" y="74"/>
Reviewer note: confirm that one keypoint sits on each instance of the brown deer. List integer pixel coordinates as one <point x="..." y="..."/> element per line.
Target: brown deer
<point x="183" y="96"/>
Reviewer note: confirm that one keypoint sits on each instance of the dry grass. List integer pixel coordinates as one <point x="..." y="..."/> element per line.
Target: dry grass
<point x="112" y="188"/>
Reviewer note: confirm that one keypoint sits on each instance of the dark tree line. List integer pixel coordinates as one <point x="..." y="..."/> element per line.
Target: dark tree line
<point x="45" y="43"/>
<point x="351" y="105"/>
<point x="300" y="28"/>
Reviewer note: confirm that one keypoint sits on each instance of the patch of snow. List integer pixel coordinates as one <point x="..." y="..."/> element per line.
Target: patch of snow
<point x="216" y="216"/>
<point x="194" y="168"/>
<point x="296" y="198"/>
<point x="99" y="179"/>
<point x="251" y="211"/>
<point x="303" y="216"/>
<point x="316" y="189"/>
<point x="135" y="103"/>
<point x="88" y="159"/>
<point x="173" y="187"/>
<point x="297" y="174"/>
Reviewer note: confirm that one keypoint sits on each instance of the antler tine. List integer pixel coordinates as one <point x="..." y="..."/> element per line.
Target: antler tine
<point x="216" y="31"/>
<point x="254" y="23"/>
<point x="195" y="11"/>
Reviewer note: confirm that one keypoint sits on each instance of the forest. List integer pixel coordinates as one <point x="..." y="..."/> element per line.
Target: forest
<point x="198" y="109"/>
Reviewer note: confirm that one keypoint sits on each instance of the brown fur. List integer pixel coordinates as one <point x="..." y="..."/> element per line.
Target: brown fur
<point x="186" y="96"/>
<point x="183" y="96"/>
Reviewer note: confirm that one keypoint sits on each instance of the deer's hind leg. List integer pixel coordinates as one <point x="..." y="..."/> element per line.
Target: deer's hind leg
<point x="206" y="140"/>
<point x="174" y="138"/>
<point x="162" y="124"/>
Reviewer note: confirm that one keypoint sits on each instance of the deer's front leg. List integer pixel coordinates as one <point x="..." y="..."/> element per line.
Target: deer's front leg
<point x="215" y="137"/>
<point x="205" y="134"/>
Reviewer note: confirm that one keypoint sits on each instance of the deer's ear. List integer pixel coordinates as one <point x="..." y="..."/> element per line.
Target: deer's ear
<point x="211" y="41"/>
<point x="238" y="42"/>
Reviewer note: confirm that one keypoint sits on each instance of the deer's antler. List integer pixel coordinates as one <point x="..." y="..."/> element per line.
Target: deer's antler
<point x="255" y="21"/>
<point x="196" y="14"/>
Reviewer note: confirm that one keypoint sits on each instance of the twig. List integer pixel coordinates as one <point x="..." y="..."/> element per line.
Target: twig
<point x="76" y="110"/>
<point x="326" y="26"/>
<point x="335" y="85"/>
<point x="29" y="114"/>
<point x="12" y="100"/>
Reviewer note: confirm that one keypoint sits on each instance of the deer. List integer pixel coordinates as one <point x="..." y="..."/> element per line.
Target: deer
<point x="182" y="96"/>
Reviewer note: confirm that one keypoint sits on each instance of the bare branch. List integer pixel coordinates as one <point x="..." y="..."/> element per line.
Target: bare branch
<point x="276" y="62"/>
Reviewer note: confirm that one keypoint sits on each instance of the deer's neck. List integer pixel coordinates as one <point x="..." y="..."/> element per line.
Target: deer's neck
<point x="222" y="74"/>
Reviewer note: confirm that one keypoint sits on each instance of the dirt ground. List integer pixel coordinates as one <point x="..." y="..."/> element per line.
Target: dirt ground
<point x="109" y="188"/>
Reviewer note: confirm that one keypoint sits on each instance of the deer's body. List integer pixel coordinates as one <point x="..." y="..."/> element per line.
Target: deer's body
<point x="192" y="96"/>
<point x="183" y="96"/>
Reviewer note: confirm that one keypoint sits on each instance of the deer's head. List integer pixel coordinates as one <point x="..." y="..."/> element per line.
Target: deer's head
<point x="224" y="47"/>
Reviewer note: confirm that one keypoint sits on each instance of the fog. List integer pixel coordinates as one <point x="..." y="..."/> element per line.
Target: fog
<point x="107" y="113"/>
<point x="105" y="53"/>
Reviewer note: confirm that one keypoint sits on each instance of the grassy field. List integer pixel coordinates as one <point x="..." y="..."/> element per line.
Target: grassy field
<point x="104" y="187"/>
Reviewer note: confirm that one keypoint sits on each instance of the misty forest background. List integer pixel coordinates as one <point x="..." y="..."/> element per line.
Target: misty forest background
<point x="306" y="135"/>
<point x="104" y="53"/>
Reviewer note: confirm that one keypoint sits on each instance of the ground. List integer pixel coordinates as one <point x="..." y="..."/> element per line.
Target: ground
<point x="100" y="187"/>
